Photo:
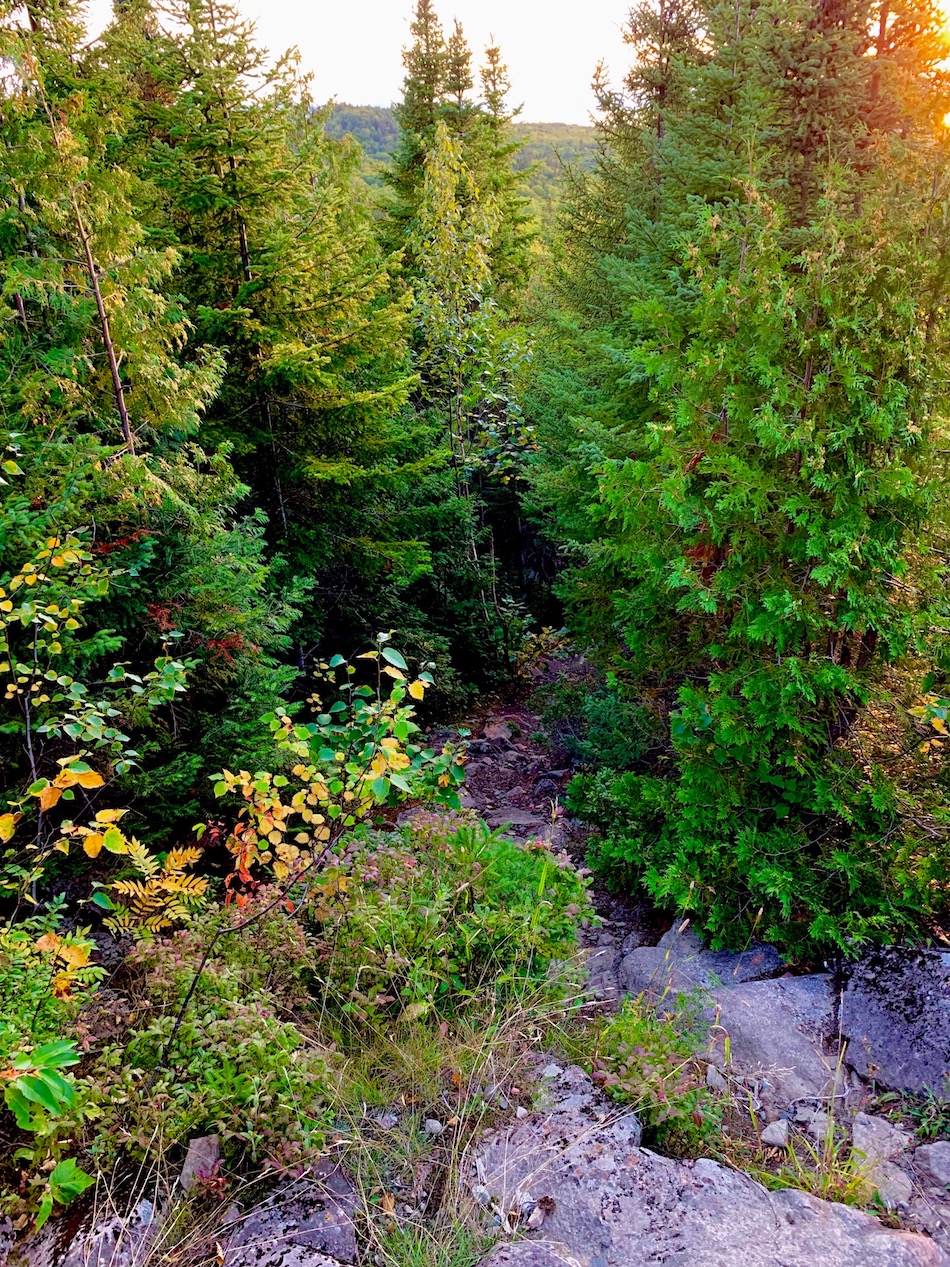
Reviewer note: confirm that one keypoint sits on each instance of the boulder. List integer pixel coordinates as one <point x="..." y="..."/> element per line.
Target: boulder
<point x="778" y="1032"/>
<point x="895" y="1014"/>
<point x="679" y="963"/>
<point x="613" y="1203"/>
<point x="306" y="1222"/>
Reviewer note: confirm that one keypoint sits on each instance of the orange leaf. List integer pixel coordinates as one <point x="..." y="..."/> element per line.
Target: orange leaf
<point x="74" y="956"/>
<point x="89" y="778"/>
<point x="109" y="815"/>
<point x="93" y="844"/>
<point x="48" y="942"/>
<point x="62" y="986"/>
<point x="49" y="796"/>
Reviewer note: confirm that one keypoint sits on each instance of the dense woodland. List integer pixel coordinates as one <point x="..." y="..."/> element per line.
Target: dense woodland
<point x="265" y="395"/>
<point x="547" y="153"/>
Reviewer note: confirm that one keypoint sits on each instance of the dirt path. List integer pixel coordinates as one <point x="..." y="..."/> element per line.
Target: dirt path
<point x="517" y="774"/>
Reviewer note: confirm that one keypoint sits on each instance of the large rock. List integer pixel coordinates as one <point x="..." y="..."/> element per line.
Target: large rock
<point x="679" y="963"/>
<point x="895" y="1013"/>
<point x="780" y="1032"/>
<point x="612" y="1203"/>
<point x="307" y="1222"/>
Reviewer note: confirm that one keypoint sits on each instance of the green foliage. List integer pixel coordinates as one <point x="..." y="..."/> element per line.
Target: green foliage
<point x="357" y="757"/>
<point x="46" y="975"/>
<point x="599" y="727"/>
<point x="236" y="1064"/>
<point x="440" y="916"/>
<point x="735" y="452"/>
<point x="652" y="1059"/>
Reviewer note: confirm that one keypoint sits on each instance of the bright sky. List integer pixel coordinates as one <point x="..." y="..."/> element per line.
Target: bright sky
<point x="354" y="46"/>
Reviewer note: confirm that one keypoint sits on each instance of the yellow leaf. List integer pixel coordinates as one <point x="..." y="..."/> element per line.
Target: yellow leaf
<point x="394" y="673"/>
<point x="417" y="690"/>
<point x="93" y="844"/>
<point x="89" y="778"/>
<point x="74" y="956"/>
<point x="61" y="986"/>
<point x="109" y="815"/>
<point x="8" y="824"/>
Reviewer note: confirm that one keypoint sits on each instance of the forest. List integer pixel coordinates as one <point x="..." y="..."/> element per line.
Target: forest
<point x="327" y="428"/>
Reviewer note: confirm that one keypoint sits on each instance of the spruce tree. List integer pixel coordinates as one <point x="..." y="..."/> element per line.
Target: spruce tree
<point x="281" y="267"/>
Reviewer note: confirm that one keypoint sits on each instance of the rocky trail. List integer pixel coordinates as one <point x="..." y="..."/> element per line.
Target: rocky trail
<point x="561" y="1177"/>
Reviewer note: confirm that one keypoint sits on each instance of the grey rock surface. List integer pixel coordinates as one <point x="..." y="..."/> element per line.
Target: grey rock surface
<point x="775" y="1134"/>
<point x="779" y="1031"/>
<point x="525" y="1254"/>
<point x="876" y="1139"/>
<point x="99" y="1241"/>
<point x="615" y="1204"/>
<point x="307" y="1222"/>
<point x="895" y="1013"/>
<point x="933" y="1161"/>
<point x="679" y="963"/>
<point x="202" y="1157"/>
<point x="875" y="1143"/>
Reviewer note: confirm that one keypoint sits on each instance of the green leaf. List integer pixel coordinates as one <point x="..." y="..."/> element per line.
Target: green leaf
<point x="36" y="1088"/>
<point x="395" y="659"/>
<point x="67" y="1181"/>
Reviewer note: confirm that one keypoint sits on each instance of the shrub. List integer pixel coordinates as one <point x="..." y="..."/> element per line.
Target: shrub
<point x="433" y="917"/>
<point x="236" y="1063"/>
<point x="652" y="1061"/>
<point x="598" y="725"/>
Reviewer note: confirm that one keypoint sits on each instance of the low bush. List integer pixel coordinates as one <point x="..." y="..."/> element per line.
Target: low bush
<point x="652" y="1061"/>
<point x="236" y="1062"/>
<point x="430" y="918"/>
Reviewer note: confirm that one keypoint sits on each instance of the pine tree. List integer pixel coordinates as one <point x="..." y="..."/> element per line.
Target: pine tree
<point x="424" y="92"/>
<point x="497" y="147"/>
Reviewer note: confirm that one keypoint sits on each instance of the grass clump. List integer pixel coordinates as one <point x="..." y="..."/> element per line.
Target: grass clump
<point x="438" y="916"/>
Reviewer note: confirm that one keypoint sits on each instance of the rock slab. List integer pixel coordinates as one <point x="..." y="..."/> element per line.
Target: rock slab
<point x="615" y="1204"/>
<point x="100" y="1240"/>
<point x="895" y="1013"/>
<point x="308" y="1222"/>
<point x="525" y="1254"/>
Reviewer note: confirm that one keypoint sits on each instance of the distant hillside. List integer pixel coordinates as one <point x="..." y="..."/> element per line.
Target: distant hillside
<point x="548" y="147"/>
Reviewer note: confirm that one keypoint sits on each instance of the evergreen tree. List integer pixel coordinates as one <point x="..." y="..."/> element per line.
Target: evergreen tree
<point x="281" y="267"/>
<point x="751" y="467"/>
<point x="424" y="90"/>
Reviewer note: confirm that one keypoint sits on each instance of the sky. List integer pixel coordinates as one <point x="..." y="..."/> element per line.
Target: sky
<point x="353" y="47"/>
